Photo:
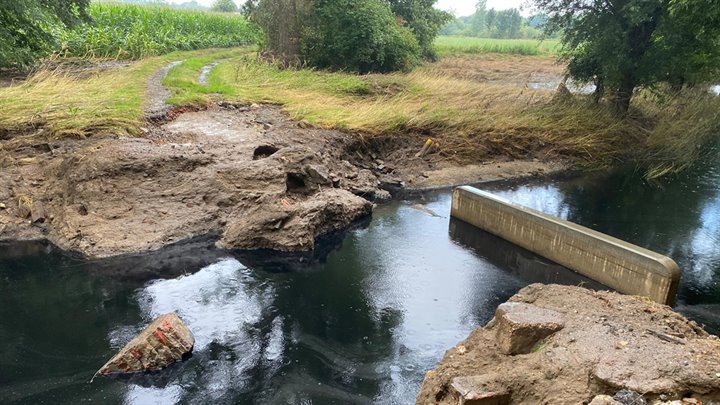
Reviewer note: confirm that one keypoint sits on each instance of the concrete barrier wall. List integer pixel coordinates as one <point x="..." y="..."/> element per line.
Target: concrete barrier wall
<point x="617" y="264"/>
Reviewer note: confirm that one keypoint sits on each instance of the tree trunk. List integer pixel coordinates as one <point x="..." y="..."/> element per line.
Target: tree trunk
<point x="599" y="89"/>
<point x="623" y="95"/>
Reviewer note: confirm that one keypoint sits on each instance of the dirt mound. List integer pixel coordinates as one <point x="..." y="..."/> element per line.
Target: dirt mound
<point x="600" y="343"/>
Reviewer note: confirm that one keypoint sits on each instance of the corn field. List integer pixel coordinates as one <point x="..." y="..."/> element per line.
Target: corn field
<point x="126" y="31"/>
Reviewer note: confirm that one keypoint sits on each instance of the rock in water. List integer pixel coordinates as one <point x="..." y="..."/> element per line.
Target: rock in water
<point x="165" y="341"/>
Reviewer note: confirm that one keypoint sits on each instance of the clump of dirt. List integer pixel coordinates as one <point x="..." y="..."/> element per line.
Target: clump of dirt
<point x="607" y="343"/>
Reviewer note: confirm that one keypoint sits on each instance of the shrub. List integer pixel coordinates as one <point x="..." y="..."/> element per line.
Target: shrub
<point x="362" y="36"/>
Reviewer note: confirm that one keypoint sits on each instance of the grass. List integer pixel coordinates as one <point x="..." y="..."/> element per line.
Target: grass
<point x="473" y="117"/>
<point x="446" y="45"/>
<point x="475" y="106"/>
<point x="126" y="31"/>
<point x="63" y="102"/>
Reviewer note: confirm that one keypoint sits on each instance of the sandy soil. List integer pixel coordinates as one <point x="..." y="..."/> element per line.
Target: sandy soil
<point x="609" y="342"/>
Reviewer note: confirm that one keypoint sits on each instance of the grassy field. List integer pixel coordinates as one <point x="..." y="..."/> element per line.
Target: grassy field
<point x="467" y="45"/>
<point x="473" y="114"/>
<point x="125" y="31"/>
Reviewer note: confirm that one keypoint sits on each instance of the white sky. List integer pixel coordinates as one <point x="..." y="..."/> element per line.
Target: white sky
<point x="459" y="7"/>
<point x="467" y="7"/>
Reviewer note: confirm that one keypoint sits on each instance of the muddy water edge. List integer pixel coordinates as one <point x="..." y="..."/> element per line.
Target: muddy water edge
<point x="359" y="320"/>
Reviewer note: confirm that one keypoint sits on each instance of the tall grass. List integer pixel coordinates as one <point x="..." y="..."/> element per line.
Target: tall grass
<point x="473" y="119"/>
<point x="447" y="45"/>
<point x="126" y="31"/>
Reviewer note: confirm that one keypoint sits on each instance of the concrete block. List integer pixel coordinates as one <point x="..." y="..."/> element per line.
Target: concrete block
<point x="479" y="390"/>
<point x="521" y="326"/>
<point x="615" y="263"/>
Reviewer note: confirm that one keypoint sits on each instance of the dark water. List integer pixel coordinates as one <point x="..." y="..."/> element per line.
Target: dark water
<point x="359" y="321"/>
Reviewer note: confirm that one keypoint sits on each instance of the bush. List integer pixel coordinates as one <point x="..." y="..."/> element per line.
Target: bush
<point x="358" y="35"/>
<point x="27" y="28"/>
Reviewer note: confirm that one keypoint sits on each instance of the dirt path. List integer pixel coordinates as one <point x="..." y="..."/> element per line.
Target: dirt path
<point x="157" y="94"/>
<point x="205" y="72"/>
<point x="246" y="173"/>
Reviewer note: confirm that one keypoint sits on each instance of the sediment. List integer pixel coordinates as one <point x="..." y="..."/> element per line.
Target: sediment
<point x="555" y="344"/>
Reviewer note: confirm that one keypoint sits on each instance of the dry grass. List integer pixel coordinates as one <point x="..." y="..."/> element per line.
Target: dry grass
<point x="474" y="106"/>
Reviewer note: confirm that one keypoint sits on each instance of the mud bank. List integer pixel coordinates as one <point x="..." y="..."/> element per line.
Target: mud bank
<point x="554" y="344"/>
<point x="245" y="172"/>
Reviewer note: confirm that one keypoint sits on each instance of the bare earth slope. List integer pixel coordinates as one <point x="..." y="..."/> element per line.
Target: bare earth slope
<point x="246" y="173"/>
<point x="609" y="342"/>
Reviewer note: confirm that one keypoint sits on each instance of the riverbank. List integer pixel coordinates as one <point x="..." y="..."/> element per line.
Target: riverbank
<point x="559" y="344"/>
<point x="133" y="157"/>
<point x="247" y="173"/>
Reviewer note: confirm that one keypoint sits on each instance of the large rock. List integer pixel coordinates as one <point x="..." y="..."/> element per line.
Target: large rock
<point x="610" y="344"/>
<point x="521" y="326"/>
<point x="165" y="341"/>
<point x="479" y="390"/>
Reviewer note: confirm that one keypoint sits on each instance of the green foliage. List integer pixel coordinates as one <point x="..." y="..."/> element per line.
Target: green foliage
<point x="27" y="27"/>
<point x="132" y="31"/>
<point x="362" y="36"/>
<point x="358" y="35"/>
<point x="424" y="20"/>
<point x="636" y="43"/>
<point x="224" y="6"/>
<point x="484" y="23"/>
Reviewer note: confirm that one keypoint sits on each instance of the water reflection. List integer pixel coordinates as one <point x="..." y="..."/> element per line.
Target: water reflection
<point x="358" y="321"/>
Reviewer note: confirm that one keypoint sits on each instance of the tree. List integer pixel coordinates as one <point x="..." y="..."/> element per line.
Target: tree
<point x="626" y="44"/>
<point x="358" y="35"/>
<point x="424" y="20"/>
<point x="224" y="6"/>
<point x="249" y="8"/>
<point x="362" y="35"/>
<point x="479" y="19"/>
<point x="26" y="27"/>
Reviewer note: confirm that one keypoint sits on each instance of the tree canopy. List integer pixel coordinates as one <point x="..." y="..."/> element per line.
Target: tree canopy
<point x="26" y="27"/>
<point x="491" y="23"/>
<point x="626" y="44"/>
<point x="224" y="6"/>
<point x="362" y="35"/>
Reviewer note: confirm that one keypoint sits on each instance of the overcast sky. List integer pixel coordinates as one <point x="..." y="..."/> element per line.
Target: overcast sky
<point x="467" y="7"/>
<point x="459" y="7"/>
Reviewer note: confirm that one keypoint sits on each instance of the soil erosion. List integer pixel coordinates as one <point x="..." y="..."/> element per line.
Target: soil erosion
<point x="554" y="344"/>
<point x="246" y="173"/>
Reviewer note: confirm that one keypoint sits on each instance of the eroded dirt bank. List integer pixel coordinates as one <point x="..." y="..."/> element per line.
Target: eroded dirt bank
<point x="566" y="345"/>
<point x="246" y="173"/>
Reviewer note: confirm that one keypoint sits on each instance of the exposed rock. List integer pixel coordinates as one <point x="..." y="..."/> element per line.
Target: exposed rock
<point x="479" y="390"/>
<point x="627" y="397"/>
<point x="165" y="341"/>
<point x="295" y="226"/>
<point x="37" y="212"/>
<point x="604" y="348"/>
<point x="521" y="326"/>
<point x="604" y="400"/>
